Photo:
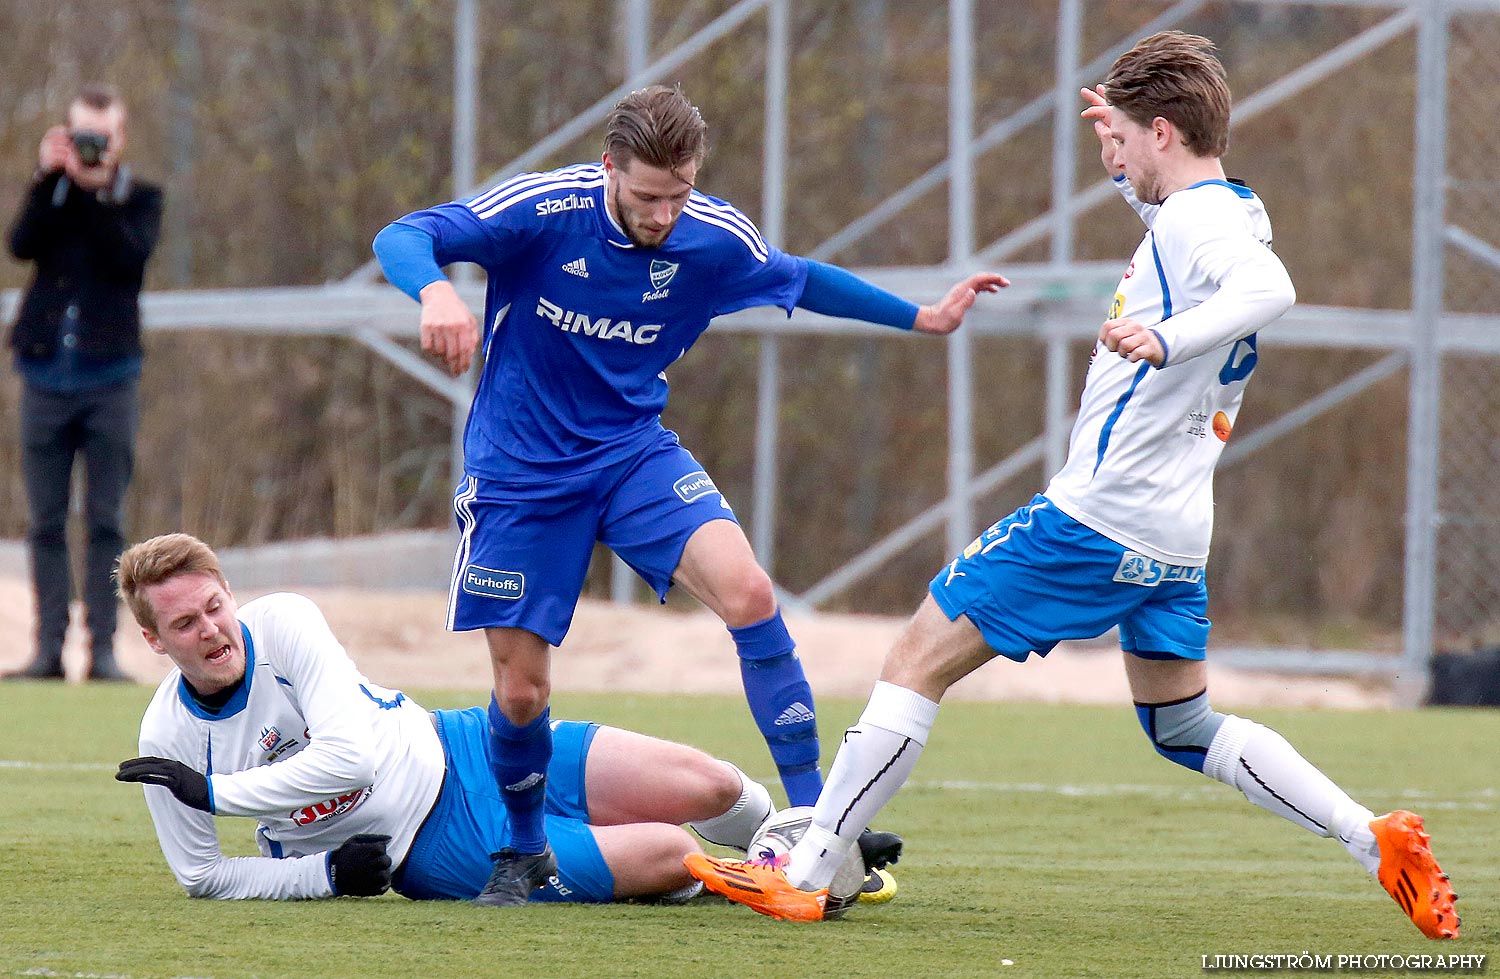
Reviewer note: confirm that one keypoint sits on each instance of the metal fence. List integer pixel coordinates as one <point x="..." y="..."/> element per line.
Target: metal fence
<point x="1446" y="346"/>
<point x="1467" y="518"/>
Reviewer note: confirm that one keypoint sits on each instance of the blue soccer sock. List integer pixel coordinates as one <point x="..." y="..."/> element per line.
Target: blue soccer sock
<point x="781" y="702"/>
<point x="519" y="758"/>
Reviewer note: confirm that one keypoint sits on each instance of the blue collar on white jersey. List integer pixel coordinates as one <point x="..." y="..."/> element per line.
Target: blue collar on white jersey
<point x="236" y="702"/>
<point x="1238" y="188"/>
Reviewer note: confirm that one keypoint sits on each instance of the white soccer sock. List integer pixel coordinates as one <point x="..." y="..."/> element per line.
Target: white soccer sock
<point x="877" y="755"/>
<point x="1351" y="827"/>
<point x="736" y="827"/>
<point x="1269" y="771"/>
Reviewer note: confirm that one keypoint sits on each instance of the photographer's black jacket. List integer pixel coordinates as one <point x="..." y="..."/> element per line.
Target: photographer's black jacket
<point x="90" y="251"/>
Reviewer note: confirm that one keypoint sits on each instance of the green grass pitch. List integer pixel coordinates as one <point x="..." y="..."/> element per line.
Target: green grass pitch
<point x="1042" y="841"/>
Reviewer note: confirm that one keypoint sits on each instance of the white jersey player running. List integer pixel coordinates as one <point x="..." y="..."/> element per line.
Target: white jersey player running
<point x="355" y="788"/>
<point x="1120" y="536"/>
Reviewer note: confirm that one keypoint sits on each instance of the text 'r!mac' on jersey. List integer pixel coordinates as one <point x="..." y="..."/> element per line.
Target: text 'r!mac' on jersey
<point x="581" y="323"/>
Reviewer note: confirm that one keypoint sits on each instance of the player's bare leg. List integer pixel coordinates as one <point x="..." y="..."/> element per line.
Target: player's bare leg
<point x="646" y="859"/>
<point x="520" y="748"/>
<point x="933" y="653"/>
<point x="634" y="778"/>
<point x="521" y="664"/>
<point x="1171" y="697"/>
<point x="719" y="569"/>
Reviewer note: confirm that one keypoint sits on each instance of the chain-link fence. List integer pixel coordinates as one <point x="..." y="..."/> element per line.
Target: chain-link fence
<point x="1309" y="553"/>
<point x="1468" y="542"/>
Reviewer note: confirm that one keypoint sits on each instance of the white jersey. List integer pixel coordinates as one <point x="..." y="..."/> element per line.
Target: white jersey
<point x="308" y="746"/>
<point x="1143" y="449"/>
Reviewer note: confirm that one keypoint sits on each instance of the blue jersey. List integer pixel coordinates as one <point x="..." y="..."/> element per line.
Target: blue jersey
<point x="580" y="324"/>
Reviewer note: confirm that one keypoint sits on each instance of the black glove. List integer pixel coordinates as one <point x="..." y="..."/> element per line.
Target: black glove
<point x="189" y="786"/>
<point x="360" y="867"/>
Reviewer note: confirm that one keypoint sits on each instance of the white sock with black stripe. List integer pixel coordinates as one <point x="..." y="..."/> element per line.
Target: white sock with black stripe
<point x="875" y="759"/>
<point x="1269" y="771"/>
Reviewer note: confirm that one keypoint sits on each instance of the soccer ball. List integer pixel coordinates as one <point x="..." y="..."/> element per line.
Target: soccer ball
<point x="774" y="840"/>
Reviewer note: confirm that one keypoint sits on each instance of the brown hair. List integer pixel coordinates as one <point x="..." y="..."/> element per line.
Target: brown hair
<point x="659" y="127"/>
<point x="99" y="96"/>
<point x="154" y="561"/>
<point x="1175" y="76"/>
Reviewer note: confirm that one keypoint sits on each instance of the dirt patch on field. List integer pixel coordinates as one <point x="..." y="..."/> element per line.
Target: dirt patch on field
<point x="397" y="638"/>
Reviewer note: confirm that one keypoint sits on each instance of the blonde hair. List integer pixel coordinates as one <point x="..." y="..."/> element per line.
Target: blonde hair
<point x="154" y="561"/>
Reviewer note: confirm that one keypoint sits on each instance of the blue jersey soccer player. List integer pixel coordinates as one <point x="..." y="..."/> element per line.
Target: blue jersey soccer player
<point x="600" y="277"/>
<point x="1120" y="536"/>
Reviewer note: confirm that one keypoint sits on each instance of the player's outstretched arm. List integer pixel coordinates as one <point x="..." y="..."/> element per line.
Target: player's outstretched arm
<point x="833" y="291"/>
<point x="947" y="314"/>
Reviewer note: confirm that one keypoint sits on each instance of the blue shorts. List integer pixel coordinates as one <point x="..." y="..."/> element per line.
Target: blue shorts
<point x="1039" y="577"/>
<point x="524" y="548"/>
<point x="450" y="858"/>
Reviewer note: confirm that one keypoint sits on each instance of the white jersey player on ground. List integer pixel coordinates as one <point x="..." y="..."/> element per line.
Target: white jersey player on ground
<point x="357" y="788"/>
<point x="1120" y="536"/>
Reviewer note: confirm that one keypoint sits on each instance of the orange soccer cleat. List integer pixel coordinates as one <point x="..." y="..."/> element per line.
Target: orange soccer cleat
<point x="758" y="886"/>
<point x="1411" y="875"/>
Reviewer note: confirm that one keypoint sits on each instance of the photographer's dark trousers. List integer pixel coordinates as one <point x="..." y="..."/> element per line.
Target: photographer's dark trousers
<point x="100" y="426"/>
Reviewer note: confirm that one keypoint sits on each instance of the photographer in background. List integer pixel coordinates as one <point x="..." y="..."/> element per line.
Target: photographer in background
<point x="90" y="227"/>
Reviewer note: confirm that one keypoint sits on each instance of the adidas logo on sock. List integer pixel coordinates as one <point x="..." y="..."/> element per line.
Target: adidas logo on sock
<point x="798" y="713"/>
<point x="577" y="267"/>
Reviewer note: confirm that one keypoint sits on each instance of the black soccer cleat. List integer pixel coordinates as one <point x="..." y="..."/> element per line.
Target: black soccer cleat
<point x="879" y="849"/>
<point x="515" y="876"/>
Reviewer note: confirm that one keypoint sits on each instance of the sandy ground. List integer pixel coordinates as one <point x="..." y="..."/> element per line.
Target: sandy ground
<point x="397" y="638"/>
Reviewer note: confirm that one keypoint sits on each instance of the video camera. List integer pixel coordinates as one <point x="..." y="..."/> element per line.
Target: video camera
<point x="90" y="146"/>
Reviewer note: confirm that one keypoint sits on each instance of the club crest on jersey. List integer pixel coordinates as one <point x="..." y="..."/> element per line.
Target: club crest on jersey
<point x="661" y="274"/>
<point x="1138" y="569"/>
<point x="491" y="583"/>
<point x="602" y="327"/>
<point x="695" y="486"/>
<point x="270" y="737"/>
